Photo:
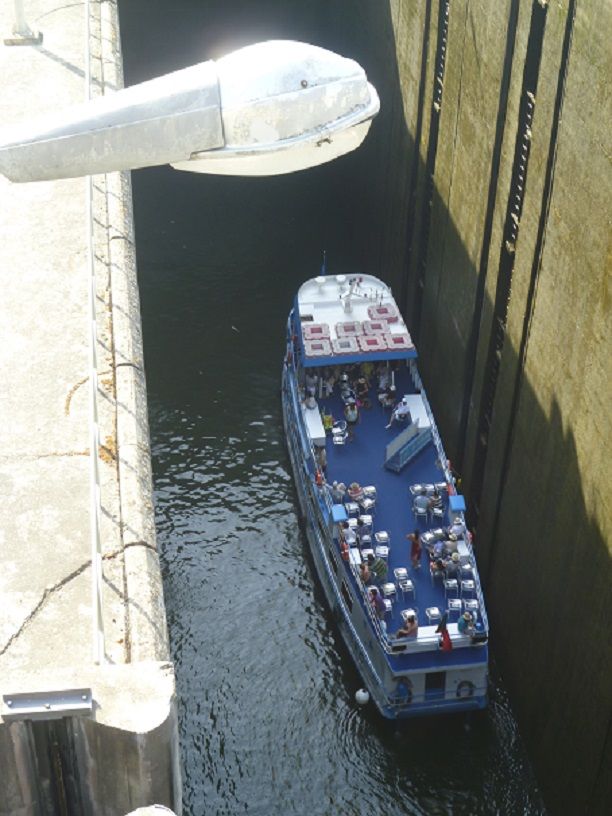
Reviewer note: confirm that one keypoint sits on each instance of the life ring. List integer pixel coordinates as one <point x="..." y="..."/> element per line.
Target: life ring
<point x="344" y="550"/>
<point x="319" y="479"/>
<point x="465" y="689"/>
<point x="403" y="691"/>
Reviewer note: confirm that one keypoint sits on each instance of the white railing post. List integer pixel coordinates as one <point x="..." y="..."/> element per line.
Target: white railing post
<point x="22" y="33"/>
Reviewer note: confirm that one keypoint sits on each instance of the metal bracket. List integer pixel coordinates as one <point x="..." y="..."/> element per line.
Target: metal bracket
<point x="47" y="705"/>
<point x="33" y="38"/>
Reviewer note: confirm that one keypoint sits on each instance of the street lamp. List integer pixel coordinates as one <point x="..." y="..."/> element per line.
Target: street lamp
<point x="270" y="108"/>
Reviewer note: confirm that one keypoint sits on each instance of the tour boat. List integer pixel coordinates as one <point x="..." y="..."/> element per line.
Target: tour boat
<point x="369" y="470"/>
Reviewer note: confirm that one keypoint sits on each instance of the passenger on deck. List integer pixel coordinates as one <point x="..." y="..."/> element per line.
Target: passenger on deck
<point x="415" y="548"/>
<point x="321" y="457"/>
<point x="450" y="545"/>
<point x="311" y="381"/>
<point x="410" y="628"/>
<point x="421" y="502"/>
<point x="465" y="624"/>
<point x="436" y="550"/>
<point x="367" y="370"/>
<point x="453" y="567"/>
<point x="355" y="491"/>
<point x="437" y="567"/>
<point x="384" y="377"/>
<point x="328" y="384"/>
<point x="387" y="397"/>
<point x="378" y="568"/>
<point x="338" y="492"/>
<point x="351" y="414"/>
<point x="457" y="528"/>
<point x="401" y="413"/>
<point x="345" y="386"/>
<point x="328" y="421"/>
<point x="364" y="572"/>
<point x="361" y="392"/>
<point x="435" y="499"/>
<point x="363" y="529"/>
<point x="348" y="534"/>
<point x="377" y="602"/>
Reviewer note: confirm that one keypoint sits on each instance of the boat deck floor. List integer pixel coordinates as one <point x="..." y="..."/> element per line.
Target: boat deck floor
<point x="362" y="460"/>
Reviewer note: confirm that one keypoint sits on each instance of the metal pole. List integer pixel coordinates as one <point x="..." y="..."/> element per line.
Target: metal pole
<point x="21" y="27"/>
<point x="22" y="33"/>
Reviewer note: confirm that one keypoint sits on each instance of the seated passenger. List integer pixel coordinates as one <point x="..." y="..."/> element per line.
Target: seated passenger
<point x="401" y="413"/>
<point x="421" y="502"/>
<point x="437" y="567"/>
<point x="450" y="545"/>
<point x="387" y="397"/>
<point x="328" y="384"/>
<point x="410" y="628"/>
<point x="453" y="567"/>
<point x="457" y="528"/>
<point x="436" y="550"/>
<point x="363" y="529"/>
<point x="355" y="491"/>
<point x="465" y="624"/>
<point x="361" y="391"/>
<point x="435" y="499"/>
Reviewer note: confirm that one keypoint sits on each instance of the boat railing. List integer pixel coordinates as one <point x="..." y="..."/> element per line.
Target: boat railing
<point x="363" y="589"/>
<point x="346" y="619"/>
<point x="308" y="448"/>
<point x="428" y="638"/>
<point x="418" y="384"/>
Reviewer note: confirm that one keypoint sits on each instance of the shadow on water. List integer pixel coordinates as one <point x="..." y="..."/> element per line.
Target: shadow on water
<point x="267" y="718"/>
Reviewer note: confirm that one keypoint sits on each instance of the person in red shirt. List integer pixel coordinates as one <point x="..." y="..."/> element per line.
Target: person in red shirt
<point x="415" y="548"/>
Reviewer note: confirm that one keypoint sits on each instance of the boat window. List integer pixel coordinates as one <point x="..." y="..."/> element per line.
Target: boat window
<point x="435" y="682"/>
<point x="347" y="596"/>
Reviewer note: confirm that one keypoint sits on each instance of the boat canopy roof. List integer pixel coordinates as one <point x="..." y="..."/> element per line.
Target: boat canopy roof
<point x="348" y="319"/>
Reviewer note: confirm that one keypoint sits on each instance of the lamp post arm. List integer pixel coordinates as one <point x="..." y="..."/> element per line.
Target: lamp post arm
<point x="270" y="108"/>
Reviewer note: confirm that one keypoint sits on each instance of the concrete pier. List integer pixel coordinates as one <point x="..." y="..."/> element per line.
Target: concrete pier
<point x="124" y="754"/>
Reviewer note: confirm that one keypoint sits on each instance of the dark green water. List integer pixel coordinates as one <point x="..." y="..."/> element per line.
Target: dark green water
<point x="267" y="718"/>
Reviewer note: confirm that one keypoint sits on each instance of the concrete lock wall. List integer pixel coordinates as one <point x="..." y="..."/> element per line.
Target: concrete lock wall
<point x="125" y="755"/>
<point x="486" y="187"/>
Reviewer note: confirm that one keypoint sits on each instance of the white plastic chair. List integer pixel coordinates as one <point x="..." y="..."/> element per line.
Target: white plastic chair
<point x="433" y="614"/>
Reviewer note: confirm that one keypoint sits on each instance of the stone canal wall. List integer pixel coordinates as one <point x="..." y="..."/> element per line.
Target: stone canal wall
<point x="486" y="188"/>
<point x="125" y="754"/>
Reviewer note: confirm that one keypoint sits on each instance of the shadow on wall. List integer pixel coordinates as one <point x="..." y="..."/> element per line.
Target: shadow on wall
<point x="546" y="565"/>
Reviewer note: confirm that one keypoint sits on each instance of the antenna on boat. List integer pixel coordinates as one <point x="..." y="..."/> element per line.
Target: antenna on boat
<point x="324" y="264"/>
